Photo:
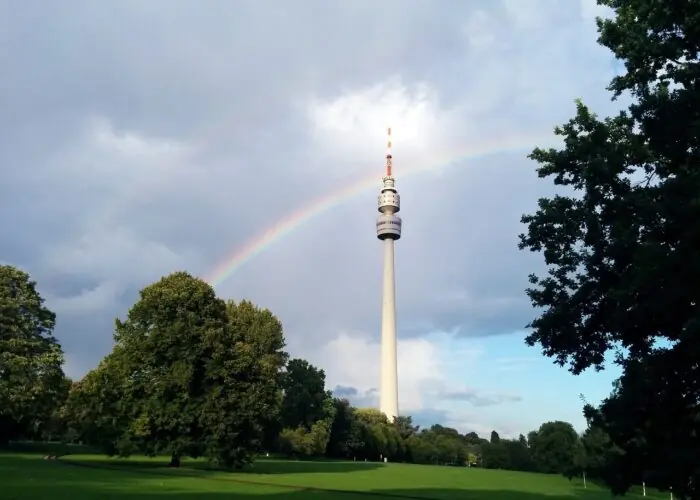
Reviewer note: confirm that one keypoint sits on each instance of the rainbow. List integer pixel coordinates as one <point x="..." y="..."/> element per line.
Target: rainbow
<point x="265" y="239"/>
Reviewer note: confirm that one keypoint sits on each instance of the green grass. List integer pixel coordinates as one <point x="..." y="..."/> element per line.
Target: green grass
<point x="27" y="476"/>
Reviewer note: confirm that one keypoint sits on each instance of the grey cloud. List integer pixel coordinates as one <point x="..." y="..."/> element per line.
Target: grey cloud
<point x="478" y="399"/>
<point x="465" y="423"/>
<point x="360" y="399"/>
<point x="227" y="82"/>
<point x="513" y="364"/>
<point x="344" y="392"/>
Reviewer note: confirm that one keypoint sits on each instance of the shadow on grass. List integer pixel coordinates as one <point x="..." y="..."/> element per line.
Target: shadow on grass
<point x="260" y="467"/>
<point x="265" y="466"/>
<point x="53" y="448"/>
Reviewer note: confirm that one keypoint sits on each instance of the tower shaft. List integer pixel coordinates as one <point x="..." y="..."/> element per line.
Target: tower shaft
<point x="389" y="383"/>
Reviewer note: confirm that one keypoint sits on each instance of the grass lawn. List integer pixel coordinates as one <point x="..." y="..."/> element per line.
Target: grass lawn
<point x="27" y="476"/>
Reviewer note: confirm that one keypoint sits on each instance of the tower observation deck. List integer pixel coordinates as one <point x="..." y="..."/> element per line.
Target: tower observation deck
<point x="389" y="204"/>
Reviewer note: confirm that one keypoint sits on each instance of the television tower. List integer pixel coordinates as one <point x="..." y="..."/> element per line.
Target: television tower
<point x="389" y="230"/>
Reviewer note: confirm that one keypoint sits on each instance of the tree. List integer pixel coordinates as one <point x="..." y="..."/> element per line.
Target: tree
<point x="189" y="375"/>
<point x="304" y="394"/>
<point x="553" y="447"/>
<point x="495" y="438"/>
<point x="345" y="440"/>
<point x="308" y="410"/>
<point x="404" y="426"/>
<point x="174" y="347"/>
<point x="380" y="437"/>
<point x="621" y="245"/>
<point x="260" y="342"/>
<point x="54" y="428"/>
<point x="495" y="455"/>
<point x="31" y="377"/>
<point x="599" y="453"/>
<point x="314" y="440"/>
<point x="438" y="445"/>
<point x="97" y="411"/>
<point x="519" y="454"/>
<point x="643" y="450"/>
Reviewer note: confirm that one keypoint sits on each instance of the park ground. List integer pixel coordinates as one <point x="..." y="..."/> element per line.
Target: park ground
<point x="28" y="476"/>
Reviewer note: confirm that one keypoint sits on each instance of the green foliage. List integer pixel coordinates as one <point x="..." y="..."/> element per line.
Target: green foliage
<point x="257" y="368"/>
<point x="622" y="245"/>
<point x="404" y="426"/>
<point x="553" y="447"/>
<point x="189" y="375"/>
<point x="307" y="443"/>
<point x="346" y="436"/>
<point x="96" y="411"/>
<point x="31" y="377"/>
<point x="513" y="454"/>
<point x="308" y="412"/>
<point x="380" y="437"/>
<point x="495" y="455"/>
<point x="171" y="347"/>
<point x="305" y="394"/>
<point x="438" y="446"/>
<point x="520" y="455"/>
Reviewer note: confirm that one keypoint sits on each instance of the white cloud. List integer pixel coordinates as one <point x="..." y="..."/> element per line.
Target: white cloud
<point x="349" y="130"/>
<point x="352" y="360"/>
<point x="590" y="10"/>
<point x="513" y="364"/>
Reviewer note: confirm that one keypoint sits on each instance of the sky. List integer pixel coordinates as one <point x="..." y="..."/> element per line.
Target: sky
<point x="244" y="142"/>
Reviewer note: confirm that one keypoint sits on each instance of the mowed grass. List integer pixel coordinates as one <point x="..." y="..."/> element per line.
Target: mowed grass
<point x="27" y="476"/>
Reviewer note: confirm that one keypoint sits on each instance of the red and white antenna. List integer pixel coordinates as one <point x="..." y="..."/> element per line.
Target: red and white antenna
<point x="388" y="152"/>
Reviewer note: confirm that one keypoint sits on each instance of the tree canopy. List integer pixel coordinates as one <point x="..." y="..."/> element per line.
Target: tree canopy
<point x="189" y="375"/>
<point x="621" y="241"/>
<point x="31" y="374"/>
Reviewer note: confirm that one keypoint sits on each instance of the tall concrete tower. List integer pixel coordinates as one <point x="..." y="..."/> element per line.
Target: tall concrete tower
<point x="389" y="230"/>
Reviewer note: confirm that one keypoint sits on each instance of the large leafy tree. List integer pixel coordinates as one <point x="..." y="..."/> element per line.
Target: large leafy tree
<point x="189" y="375"/>
<point x="345" y="438"/>
<point x="100" y="410"/>
<point x="308" y="410"/>
<point x="172" y="340"/>
<point x="597" y="455"/>
<point x="622" y="242"/>
<point x="553" y="447"/>
<point x="259" y="343"/>
<point x="31" y="377"/>
<point x="305" y="394"/>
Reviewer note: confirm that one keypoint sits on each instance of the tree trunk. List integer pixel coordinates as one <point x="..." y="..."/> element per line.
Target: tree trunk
<point x="174" y="460"/>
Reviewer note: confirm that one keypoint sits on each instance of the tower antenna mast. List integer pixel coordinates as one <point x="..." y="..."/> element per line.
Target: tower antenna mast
<point x="388" y="152"/>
